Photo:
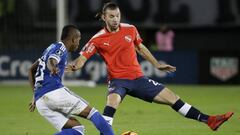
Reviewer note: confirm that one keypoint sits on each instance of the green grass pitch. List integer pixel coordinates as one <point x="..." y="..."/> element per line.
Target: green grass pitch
<point x="133" y="114"/>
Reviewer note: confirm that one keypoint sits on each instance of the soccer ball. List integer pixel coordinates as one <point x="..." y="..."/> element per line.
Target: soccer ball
<point x="129" y="133"/>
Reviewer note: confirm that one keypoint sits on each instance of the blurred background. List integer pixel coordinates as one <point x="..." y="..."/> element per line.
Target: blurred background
<point x="200" y="37"/>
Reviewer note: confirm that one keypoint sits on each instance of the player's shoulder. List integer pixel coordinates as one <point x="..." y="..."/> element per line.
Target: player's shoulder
<point x="58" y="46"/>
<point x="126" y="25"/>
<point x="99" y="34"/>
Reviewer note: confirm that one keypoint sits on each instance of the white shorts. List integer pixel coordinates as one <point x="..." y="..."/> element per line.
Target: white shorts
<point x="58" y="105"/>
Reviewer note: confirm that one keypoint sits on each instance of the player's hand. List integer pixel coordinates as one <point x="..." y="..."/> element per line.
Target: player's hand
<point x="70" y="68"/>
<point x="166" y="68"/>
<point x="32" y="105"/>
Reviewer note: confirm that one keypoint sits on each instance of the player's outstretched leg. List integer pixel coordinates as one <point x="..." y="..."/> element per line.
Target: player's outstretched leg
<point x="214" y="122"/>
<point x="108" y="114"/>
<point x="166" y="96"/>
<point x="114" y="100"/>
<point x="100" y="123"/>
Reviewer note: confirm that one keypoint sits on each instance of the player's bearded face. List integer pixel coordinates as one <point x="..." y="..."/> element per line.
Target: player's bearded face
<point x="112" y="19"/>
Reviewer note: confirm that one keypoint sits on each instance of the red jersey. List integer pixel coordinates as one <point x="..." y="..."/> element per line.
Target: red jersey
<point x="118" y="51"/>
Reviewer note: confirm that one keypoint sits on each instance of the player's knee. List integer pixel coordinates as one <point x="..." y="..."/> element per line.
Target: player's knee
<point x="175" y="99"/>
<point x="113" y="104"/>
<point x="113" y="100"/>
<point x="86" y="112"/>
<point x="166" y="96"/>
<point x="71" y="123"/>
<point x="172" y="97"/>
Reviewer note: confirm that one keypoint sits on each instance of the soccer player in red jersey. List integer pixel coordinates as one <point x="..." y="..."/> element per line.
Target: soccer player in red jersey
<point x="117" y="43"/>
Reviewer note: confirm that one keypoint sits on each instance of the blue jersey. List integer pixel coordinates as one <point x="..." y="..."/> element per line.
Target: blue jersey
<point x="44" y="81"/>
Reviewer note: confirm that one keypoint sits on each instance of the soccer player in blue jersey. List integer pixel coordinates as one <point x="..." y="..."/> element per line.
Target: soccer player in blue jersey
<point x="54" y="101"/>
<point x="118" y="44"/>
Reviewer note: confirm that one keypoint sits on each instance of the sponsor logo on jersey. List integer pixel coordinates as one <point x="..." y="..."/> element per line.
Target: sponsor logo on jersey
<point x="59" y="52"/>
<point x="128" y="38"/>
<point x="88" y="48"/>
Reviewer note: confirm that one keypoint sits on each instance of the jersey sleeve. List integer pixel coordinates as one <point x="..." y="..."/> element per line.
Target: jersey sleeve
<point x="137" y="37"/>
<point x="57" y="53"/>
<point x="89" y="49"/>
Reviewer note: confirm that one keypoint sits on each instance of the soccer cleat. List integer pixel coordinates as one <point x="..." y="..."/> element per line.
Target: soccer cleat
<point x="214" y="122"/>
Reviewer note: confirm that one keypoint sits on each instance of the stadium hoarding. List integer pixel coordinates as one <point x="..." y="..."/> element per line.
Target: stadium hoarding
<point x="219" y="67"/>
<point x="95" y="69"/>
<point x="15" y="67"/>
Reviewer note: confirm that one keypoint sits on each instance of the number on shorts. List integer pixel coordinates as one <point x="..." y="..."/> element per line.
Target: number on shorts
<point x="154" y="82"/>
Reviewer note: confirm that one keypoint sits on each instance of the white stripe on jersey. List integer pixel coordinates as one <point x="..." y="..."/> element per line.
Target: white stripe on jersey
<point x="56" y="57"/>
<point x="101" y="32"/>
<point x="126" y="25"/>
<point x="63" y="48"/>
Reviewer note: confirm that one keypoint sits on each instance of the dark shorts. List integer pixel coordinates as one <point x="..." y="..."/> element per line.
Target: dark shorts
<point x="142" y="88"/>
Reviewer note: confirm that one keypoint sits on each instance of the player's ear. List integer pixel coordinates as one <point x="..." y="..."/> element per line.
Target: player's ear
<point x="103" y="17"/>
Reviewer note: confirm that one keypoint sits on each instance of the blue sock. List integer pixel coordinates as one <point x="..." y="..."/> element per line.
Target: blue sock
<point x="100" y="123"/>
<point x="69" y="131"/>
<point x="108" y="114"/>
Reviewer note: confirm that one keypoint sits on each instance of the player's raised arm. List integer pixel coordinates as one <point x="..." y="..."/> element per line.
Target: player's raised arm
<point x="79" y="62"/>
<point x="76" y="64"/>
<point x="146" y="54"/>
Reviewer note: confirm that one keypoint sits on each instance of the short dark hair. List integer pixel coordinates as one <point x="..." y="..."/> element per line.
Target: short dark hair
<point x="66" y="31"/>
<point x="109" y="5"/>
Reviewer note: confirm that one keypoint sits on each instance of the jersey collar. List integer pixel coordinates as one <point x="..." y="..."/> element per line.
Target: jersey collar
<point x="107" y="31"/>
